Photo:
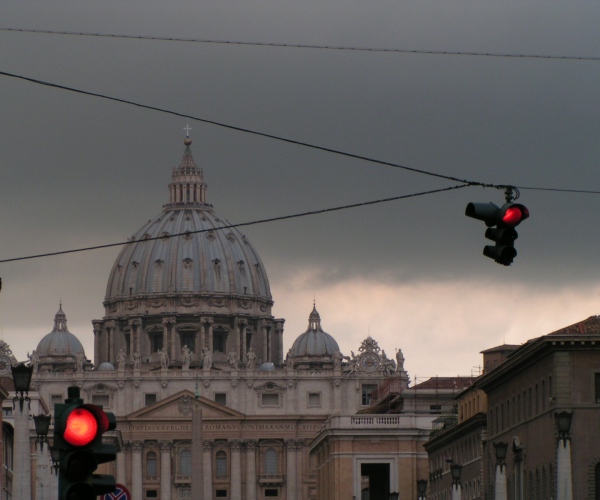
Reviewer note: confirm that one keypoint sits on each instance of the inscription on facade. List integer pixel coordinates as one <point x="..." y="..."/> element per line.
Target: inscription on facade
<point x="220" y="427"/>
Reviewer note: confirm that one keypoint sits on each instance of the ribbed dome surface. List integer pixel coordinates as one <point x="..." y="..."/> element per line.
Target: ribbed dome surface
<point x="205" y="260"/>
<point x="59" y="342"/>
<point x="314" y="342"/>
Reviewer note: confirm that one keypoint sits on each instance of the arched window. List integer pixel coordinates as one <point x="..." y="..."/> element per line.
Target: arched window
<point x="185" y="463"/>
<point x="151" y="465"/>
<point x="271" y="466"/>
<point x="221" y="463"/>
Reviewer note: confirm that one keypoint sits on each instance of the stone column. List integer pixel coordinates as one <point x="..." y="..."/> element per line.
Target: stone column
<point x="291" y="487"/>
<point x="279" y="330"/>
<point x="136" y="469"/>
<point x="210" y="323"/>
<point x="122" y="463"/>
<point x="134" y="338"/>
<point x="165" y="470"/>
<point x="42" y="475"/>
<point x="251" y="470"/>
<point x="166" y="322"/>
<point x="22" y="453"/>
<point x="236" y="470"/>
<point x="207" y="467"/>
<point x="299" y="468"/>
<point x="197" y="462"/>
<point x="265" y="340"/>
<point x="456" y="491"/>
<point x="242" y="324"/>
<point x="97" y="341"/>
<point x="564" y="475"/>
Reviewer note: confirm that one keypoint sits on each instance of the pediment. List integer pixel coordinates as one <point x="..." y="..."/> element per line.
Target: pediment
<point x="180" y="406"/>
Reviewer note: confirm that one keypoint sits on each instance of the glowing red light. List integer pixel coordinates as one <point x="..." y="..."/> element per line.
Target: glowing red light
<point x="81" y="428"/>
<point x="515" y="214"/>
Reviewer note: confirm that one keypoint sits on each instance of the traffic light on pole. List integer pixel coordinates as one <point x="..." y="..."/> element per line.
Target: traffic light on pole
<point x="78" y="430"/>
<point x="501" y="223"/>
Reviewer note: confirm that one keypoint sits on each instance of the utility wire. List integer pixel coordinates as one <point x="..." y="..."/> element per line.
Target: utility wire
<point x="228" y="226"/>
<point x="291" y="141"/>
<point x="249" y="131"/>
<point x="310" y="46"/>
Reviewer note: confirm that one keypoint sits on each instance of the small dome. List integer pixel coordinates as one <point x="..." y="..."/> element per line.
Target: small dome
<point x="267" y="367"/>
<point x="314" y="341"/>
<point x="106" y="367"/>
<point x="60" y="342"/>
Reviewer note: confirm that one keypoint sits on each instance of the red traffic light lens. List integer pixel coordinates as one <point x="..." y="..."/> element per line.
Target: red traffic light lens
<point x="81" y="428"/>
<point x="515" y="214"/>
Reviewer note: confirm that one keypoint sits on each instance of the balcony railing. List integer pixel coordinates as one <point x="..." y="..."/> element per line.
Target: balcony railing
<point x="271" y="478"/>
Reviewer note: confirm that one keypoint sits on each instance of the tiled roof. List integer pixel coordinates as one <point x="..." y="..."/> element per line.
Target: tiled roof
<point x="446" y="383"/>
<point x="590" y="326"/>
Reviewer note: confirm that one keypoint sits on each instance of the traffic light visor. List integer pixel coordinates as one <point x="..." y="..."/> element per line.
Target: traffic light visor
<point x="81" y="428"/>
<point x="513" y="214"/>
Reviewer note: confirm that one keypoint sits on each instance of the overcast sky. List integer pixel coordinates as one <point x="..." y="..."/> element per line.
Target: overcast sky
<point x="80" y="171"/>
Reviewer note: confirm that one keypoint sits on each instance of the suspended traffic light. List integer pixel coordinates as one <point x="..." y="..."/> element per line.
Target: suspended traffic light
<point x="78" y="430"/>
<point x="501" y="224"/>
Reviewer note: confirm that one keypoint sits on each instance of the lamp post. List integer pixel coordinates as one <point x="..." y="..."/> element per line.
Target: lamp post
<point x="455" y="471"/>
<point x="394" y="495"/>
<point x="21" y="374"/>
<point x="500" y="450"/>
<point x="564" y="476"/>
<point x="42" y="424"/>
<point x="422" y="489"/>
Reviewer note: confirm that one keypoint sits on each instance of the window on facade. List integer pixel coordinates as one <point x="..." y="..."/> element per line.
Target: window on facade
<point x="7" y="412"/>
<point x="156" y="340"/>
<point x="151" y="465"/>
<point x="185" y="463"/>
<point x="271" y="492"/>
<point x="597" y="388"/>
<point x="221" y="493"/>
<point x="367" y="393"/>
<point x="219" y="341"/>
<point x="151" y="493"/>
<point x="56" y="399"/>
<point x="270" y="400"/>
<point x="271" y="466"/>
<point x="435" y="409"/>
<point x="221" y="398"/>
<point x="127" y="343"/>
<point x="188" y="339"/>
<point x="101" y="399"/>
<point x="149" y="399"/>
<point x="314" y="399"/>
<point x="221" y="464"/>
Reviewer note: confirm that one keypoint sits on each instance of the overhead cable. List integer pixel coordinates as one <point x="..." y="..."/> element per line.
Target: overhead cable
<point x="310" y="46"/>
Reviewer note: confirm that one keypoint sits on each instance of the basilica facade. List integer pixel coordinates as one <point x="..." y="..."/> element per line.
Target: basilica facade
<point x="208" y="402"/>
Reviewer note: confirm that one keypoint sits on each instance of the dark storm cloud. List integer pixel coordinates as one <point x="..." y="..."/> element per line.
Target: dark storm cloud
<point x="79" y="171"/>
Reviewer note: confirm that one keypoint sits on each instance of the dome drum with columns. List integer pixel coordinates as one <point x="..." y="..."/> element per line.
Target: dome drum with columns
<point x="187" y="279"/>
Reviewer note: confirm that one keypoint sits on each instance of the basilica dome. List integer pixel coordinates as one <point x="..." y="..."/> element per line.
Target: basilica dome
<point x="60" y="345"/>
<point x="187" y="249"/>
<point x="314" y="342"/>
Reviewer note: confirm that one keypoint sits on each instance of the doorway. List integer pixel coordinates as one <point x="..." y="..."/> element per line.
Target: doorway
<point x="375" y="481"/>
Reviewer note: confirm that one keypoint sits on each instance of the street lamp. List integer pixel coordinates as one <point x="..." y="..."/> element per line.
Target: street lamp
<point x="422" y="488"/>
<point x="563" y="422"/>
<point x="21" y="374"/>
<point x="500" y="449"/>
<point x="42" y="424"/>
<point x="455" y="470"/>
<point x="394" y="496"/>
<point x="55" y="455"/>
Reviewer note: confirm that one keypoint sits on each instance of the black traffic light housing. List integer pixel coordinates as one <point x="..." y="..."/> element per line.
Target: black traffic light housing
<point x="78" y="430"/>
<point x="501" y="223"/>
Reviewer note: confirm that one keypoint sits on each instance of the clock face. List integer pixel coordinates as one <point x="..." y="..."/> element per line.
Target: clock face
<point x="369" y="361"/>
<point x="4" y="365"/>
